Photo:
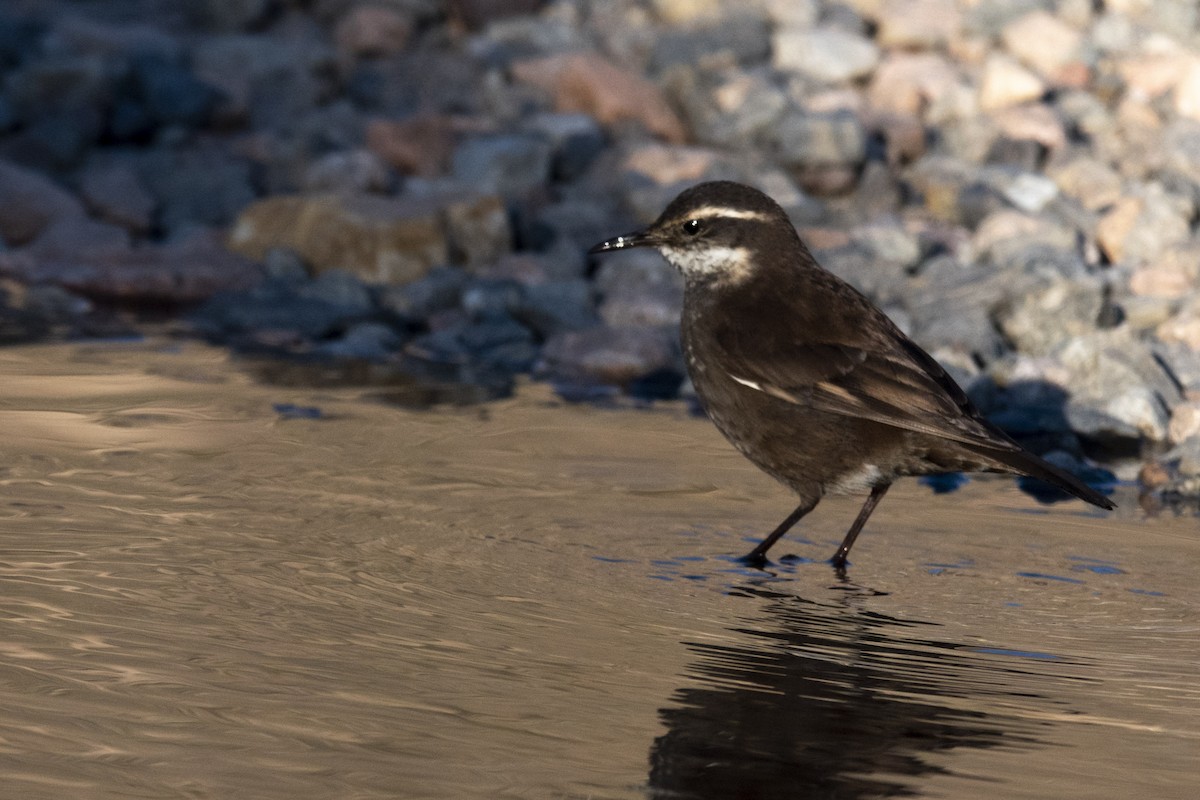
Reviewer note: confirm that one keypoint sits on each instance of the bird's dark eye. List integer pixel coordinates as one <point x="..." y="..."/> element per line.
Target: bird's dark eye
<point x="692" y="227"/>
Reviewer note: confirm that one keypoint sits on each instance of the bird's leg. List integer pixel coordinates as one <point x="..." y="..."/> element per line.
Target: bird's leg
<point x="877" y="493"/>
<point x="758" y="556"/>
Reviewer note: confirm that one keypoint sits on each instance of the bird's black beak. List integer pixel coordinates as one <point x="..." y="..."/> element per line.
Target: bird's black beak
<point x="635" y="239"/>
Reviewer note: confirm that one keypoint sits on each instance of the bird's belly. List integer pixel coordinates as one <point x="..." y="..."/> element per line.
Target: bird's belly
<point x="862" y="479"/>
<point x="808" y="450"/>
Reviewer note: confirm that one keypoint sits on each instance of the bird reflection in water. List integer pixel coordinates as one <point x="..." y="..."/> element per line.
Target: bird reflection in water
<point x="831" y="700"/>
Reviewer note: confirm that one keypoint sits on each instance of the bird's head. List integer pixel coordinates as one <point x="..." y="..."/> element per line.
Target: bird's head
<point x="713" y="232"/>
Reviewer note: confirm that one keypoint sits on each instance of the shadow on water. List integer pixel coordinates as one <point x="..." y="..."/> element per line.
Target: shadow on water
<point x="407" y="383"/>
<point x="832" y="700"/>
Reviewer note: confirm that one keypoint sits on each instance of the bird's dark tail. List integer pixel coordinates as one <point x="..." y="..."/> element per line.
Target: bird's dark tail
<point x="1027" y="463"/>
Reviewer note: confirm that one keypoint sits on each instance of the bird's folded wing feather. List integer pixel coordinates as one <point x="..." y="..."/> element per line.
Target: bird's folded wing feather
<point x="893" y="382"/>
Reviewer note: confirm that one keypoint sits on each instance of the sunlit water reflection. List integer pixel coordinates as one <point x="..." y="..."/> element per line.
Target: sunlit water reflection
<point x="211" y="587"/>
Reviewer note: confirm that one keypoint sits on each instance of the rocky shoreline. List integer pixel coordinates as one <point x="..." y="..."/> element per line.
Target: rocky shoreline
<point x="414" y="184"/>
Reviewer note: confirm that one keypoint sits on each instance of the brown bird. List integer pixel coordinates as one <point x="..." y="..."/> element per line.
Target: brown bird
<point x="804" y="375"/>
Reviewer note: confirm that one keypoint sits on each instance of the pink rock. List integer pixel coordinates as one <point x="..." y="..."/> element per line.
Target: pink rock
<point x="666" y="165"/>
<point x="906" y="83"/>
<point x="903" y="137"/>
<point x="1145" y="226"/>
<point x="590" y="83"/>
<point x="1183" y="328"/>
<point x="418" y="146"/>
<point x="1042" y="41"/>
<point x="1036" y="122"/>
<point x="1185" y="422"/>
<point x="1116" y="225"/>
<point x="1006" y="83"/>
<point x="918" y="23"/>
<point x="1172" y="275"/>
<point x="1187" y="92"/>
<point x="1093" y="183"/>
<point x="1154" y="74"/>
<point x="371" y="30"/>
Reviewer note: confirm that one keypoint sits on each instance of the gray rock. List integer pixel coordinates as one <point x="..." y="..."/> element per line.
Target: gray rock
<point x="493" y="339"/>
<point x="510" y="164"/>
<point x="169" y="92"/>
<point x="80" y="237"/>
<point x="1183" y="363"/>
<point x="367" y="341"/>
<point x="792" y="13"/>
<point x="178" y="273"/>
<point x="1184" y="460"/>
<point x="80" y="35"/>
<point x="202" y="186"/>
<point x="55" y="304"/>
<point x="285" y="265"/>
<point x="29" y="202"/>
<point x="612" y="356"/>
<point x="1180" y="144"/>
<point x="115" y="193"/>
<point x="1049" y="311"/>
<point x="58" y="141"/>
<point x="349" y="171"/>
<point x="577" y="140"/>
<point x="1030" y="192"/>
<point x="742" y="38"/>
<point x="505" y="39"/>
<point x="950" y="305"/>
<point x="1118" y="390"/>
<point x="817" y="140"/>
<point x="269" y="307"/>
<point x="826" y="54"/>
<point x="485" y="297"/>
<point x="1128" y="416"/>
<point x="640" y="290"/>
<point x="8" y="115"/>
<point x="888" y="241"/>
<point x="439" y="290"/>
<point x="578" y="224"/>
<point x="58" y="82"/>
<point x="737" y="109"/>
<point x="1164" y="221"/>
<point x="228" y="15"/>
<point x="1008" y="238"/>
<point x="341" y="289"/>
<point x="269" y="80"/>
<point x="859" y="267"/>
<point x="558" y="306"/>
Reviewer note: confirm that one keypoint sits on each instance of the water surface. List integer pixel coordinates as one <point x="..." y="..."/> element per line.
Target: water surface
<point x="212" y="587"/>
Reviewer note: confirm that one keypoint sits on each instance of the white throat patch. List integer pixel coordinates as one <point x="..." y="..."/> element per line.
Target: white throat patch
<point x="722" y="263"/>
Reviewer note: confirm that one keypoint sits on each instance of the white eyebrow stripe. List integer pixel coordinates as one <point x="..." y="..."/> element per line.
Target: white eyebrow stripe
<point x="728" y="213"/>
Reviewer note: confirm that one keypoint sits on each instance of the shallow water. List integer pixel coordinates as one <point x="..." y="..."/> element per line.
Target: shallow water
<point x="214" y="588"/>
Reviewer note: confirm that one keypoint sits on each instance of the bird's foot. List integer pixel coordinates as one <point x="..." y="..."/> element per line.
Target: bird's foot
<point x="753" y="560"/>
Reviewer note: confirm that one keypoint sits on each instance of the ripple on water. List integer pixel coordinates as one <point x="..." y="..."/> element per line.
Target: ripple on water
<point x="209" y="589"/>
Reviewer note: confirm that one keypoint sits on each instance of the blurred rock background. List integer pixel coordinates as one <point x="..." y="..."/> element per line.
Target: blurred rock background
<point x="413" y="184"/>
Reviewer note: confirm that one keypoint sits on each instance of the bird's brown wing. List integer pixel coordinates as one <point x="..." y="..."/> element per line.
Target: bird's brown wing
<point x="888" y="380"/>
